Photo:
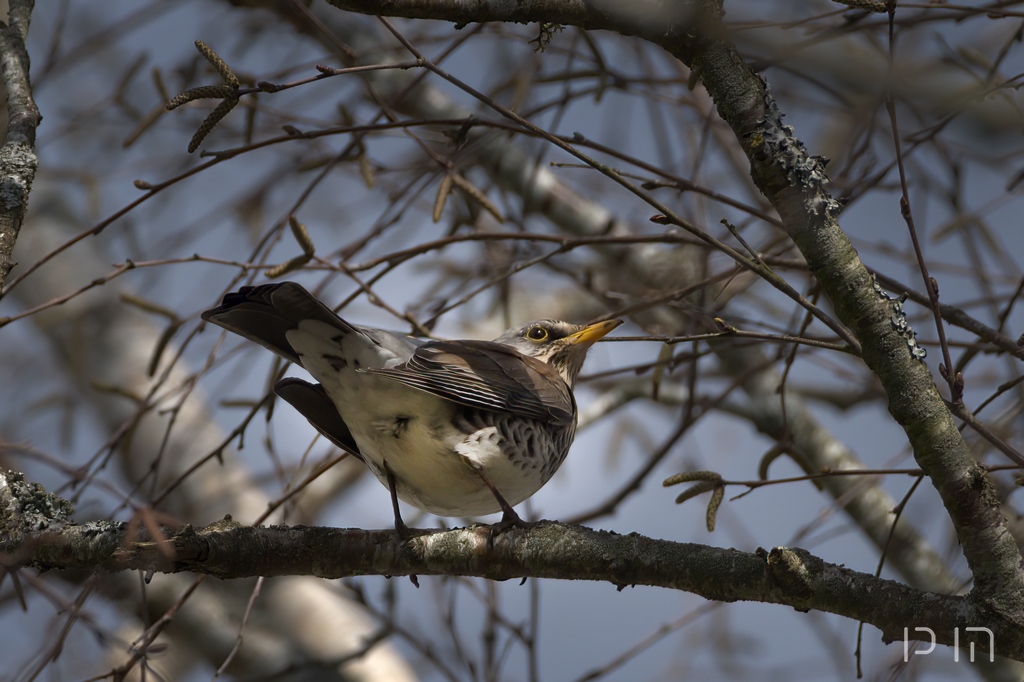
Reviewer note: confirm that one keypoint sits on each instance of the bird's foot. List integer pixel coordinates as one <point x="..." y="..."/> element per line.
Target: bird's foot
<point x="401" y="530"/>
<point x="402" y="534"/>
<point x="509" y="519"/>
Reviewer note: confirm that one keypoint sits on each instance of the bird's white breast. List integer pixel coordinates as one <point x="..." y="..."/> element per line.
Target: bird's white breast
<point x="409" y="430"/>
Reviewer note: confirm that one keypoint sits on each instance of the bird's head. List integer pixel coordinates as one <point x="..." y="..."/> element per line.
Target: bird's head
<point x="560" y="344"/>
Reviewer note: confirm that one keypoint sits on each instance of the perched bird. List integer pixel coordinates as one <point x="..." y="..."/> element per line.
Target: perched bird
<point x="456" y="428"/>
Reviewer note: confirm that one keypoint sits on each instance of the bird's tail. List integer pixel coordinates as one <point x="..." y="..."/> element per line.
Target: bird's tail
<point x="266" y="313"/>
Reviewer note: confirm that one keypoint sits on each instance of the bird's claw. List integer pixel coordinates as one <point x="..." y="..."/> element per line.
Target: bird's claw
<point x="403" y="534"/>
<point x="508" y="520"/>
<point x="403" y="531"/>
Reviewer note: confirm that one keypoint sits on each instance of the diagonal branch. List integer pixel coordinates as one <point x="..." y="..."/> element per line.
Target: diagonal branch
<point x="793" y="181"/>
<point x="18" y="154"/>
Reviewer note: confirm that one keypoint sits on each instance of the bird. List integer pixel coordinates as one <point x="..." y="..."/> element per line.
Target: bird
<point x="455" y="428"/>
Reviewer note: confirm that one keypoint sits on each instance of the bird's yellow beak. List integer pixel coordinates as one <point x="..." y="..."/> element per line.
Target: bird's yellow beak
<point x="592" y="333"/>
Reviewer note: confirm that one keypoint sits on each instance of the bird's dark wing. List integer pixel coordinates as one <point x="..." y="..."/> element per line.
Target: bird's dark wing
<point x="265" y="313"/>
<point x="488" y="376"/>
<point x="312" y="402"/>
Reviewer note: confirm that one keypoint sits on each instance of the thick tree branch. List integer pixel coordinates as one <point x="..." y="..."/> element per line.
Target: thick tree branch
<point x="18" y="155"/>
<point x="35" y="531"/>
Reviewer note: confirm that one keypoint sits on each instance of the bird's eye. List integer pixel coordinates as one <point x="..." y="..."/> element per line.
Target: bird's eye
<point x="537" y="334"/>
